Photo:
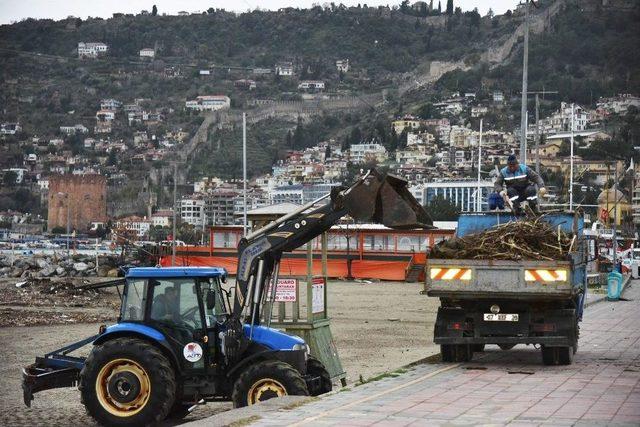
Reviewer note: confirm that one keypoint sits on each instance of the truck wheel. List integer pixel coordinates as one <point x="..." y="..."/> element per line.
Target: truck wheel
<point x="446" y="353"/>
<point x="464" y="352"/>
<point x="478" y="348"/>
<point x="127" y="381"/>
<point x="557" y="355"/>
<point x="506" y="346"/>
<point x="266" y="380"/>
<point x="316" y="368"/>
<point x="565" y="355"/>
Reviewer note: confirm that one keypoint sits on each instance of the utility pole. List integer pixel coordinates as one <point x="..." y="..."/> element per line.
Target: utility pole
<point x="525" y="66"/>
<point x="175" y="190"/>
<point x="615" y="214"/>
<point x="571" y="166"/>
<point x="244" y="173"/>
<point x="537" y="141"/>
<point x="479" y="190"/>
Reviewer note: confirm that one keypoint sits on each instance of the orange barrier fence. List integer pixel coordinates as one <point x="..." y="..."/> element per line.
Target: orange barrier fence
<point x="360" y="269"/>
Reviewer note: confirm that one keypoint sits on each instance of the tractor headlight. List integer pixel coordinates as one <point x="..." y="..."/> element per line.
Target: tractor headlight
<point x="303" y="347"/>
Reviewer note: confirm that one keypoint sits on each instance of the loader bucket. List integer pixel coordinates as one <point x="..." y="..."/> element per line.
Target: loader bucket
<point x="385" y="199"/>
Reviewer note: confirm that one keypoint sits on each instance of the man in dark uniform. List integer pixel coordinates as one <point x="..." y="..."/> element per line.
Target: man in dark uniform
<point x="520" y="182"/>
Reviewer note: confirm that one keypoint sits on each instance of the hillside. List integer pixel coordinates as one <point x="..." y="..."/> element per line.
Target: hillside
<point x="585" y="52"/>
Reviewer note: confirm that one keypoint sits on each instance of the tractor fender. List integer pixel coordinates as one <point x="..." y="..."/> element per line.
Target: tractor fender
<point x="143" y="332"/>
<point x="295" y="358"/>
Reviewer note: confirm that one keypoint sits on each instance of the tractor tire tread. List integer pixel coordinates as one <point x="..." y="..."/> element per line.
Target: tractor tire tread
<point x="152" y="359"/>
<point x="294" y="382"/>
<point x="326" y="386"/>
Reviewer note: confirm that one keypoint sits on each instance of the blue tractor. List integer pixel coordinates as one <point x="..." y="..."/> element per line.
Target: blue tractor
<point x="180" y="341"/>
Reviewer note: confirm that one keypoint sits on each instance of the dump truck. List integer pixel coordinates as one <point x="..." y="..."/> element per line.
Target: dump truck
<point x="509" y="302"/>
<point x="180" y="341"/>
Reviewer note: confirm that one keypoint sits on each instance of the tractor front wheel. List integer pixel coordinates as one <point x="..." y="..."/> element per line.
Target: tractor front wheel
<point x="316" y="368"/>
<point x="266" y="380"/>
<point x="127" y="381"/>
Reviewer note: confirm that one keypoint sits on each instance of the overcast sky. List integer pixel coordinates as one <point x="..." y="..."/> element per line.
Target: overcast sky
<point x="11" y="10"/>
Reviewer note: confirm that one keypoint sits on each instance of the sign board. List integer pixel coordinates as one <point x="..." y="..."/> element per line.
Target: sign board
<point x="285" y="291"/>
<point x="317" y="295"/>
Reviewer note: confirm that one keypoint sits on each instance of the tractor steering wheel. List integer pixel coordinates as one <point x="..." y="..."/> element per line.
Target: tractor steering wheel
<point x="189" y="316"/>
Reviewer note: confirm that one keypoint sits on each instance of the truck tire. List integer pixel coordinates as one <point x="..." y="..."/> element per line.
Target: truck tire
<point x="565" y="355"/>
<point x="557" y="355"/>
<point x="446" y="353"/>
<point x="478" y="348"/>
<point x="127" y="381"/>
<point x="464" y="352"/>
<point x="506" y="346"/>
<point x="266" y="380"/>
<point x="316" y="368"/>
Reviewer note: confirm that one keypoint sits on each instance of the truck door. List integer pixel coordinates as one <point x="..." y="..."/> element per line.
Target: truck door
<point x="175" y="311"/>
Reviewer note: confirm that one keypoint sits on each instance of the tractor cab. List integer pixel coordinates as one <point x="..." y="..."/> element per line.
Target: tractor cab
<point x="186" y="305"/>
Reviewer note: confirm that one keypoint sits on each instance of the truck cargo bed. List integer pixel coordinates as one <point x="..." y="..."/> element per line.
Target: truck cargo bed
<point x="468" y="278"/>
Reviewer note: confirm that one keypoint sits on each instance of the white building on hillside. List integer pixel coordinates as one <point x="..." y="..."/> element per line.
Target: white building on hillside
<point x="284" y="69"/>
<point x="10" y="128"/>
<point x="147" y="52"/>
<point x="91" y="50"/>
<point x="361" y="153"/>
<point x="619" y="104"/>
<point x="311" y="85"/>
<point x="209" y="102"/>
<point x="560" y="121"/>
<point x="192" y="210"/>
<point x="140" y="226"/>
<point x="342" y="65"/>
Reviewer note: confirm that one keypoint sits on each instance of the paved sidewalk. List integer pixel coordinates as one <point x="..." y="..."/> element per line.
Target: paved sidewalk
<point x="602" y="387"/>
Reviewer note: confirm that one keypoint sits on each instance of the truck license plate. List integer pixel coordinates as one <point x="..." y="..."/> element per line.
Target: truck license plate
<point x="500" y="317"/>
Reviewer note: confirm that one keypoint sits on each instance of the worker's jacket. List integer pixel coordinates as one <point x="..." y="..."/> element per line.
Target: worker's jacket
<point x="520" y="179"/>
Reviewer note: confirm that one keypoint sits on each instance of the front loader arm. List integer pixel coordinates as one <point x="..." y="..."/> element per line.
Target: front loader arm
<point x="375" y="198"/>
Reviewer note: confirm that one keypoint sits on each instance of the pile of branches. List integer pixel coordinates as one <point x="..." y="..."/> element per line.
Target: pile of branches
<point x="533" y="239"/>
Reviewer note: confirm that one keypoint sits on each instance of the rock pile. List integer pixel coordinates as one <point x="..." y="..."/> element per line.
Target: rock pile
<point x="25" y="267"/>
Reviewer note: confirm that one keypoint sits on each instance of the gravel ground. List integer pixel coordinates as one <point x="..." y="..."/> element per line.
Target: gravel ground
<point x="391" y="318"/>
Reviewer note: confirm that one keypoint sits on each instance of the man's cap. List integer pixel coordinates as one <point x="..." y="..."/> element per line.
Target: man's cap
<point x="512" y="159"/>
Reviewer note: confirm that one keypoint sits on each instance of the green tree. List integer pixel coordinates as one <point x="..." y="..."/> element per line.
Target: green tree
<point x="449" y="7"/>
<point x="439" y="8"/>
<point x="9" y="179"/>
<point x="154" y="10"/>
<point x="58" y="230"/>
<point x="441" y="209"/>
<point x="112" y="159"/>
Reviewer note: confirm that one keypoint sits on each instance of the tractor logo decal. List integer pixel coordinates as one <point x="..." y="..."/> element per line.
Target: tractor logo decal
<point x="192" y="352"/>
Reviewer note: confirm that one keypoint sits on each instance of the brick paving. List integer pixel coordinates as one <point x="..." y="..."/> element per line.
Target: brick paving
<point x="602" y="387"/>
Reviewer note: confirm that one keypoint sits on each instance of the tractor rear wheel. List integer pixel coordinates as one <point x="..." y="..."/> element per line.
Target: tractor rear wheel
<point x="127" y="381"/>
<point x="266" y="380"/>
<point x="316" y="368"/>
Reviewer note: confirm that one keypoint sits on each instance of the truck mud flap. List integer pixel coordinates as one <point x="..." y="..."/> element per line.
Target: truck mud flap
<point x="35" y="379"/>
<point x="450" y="323"/>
